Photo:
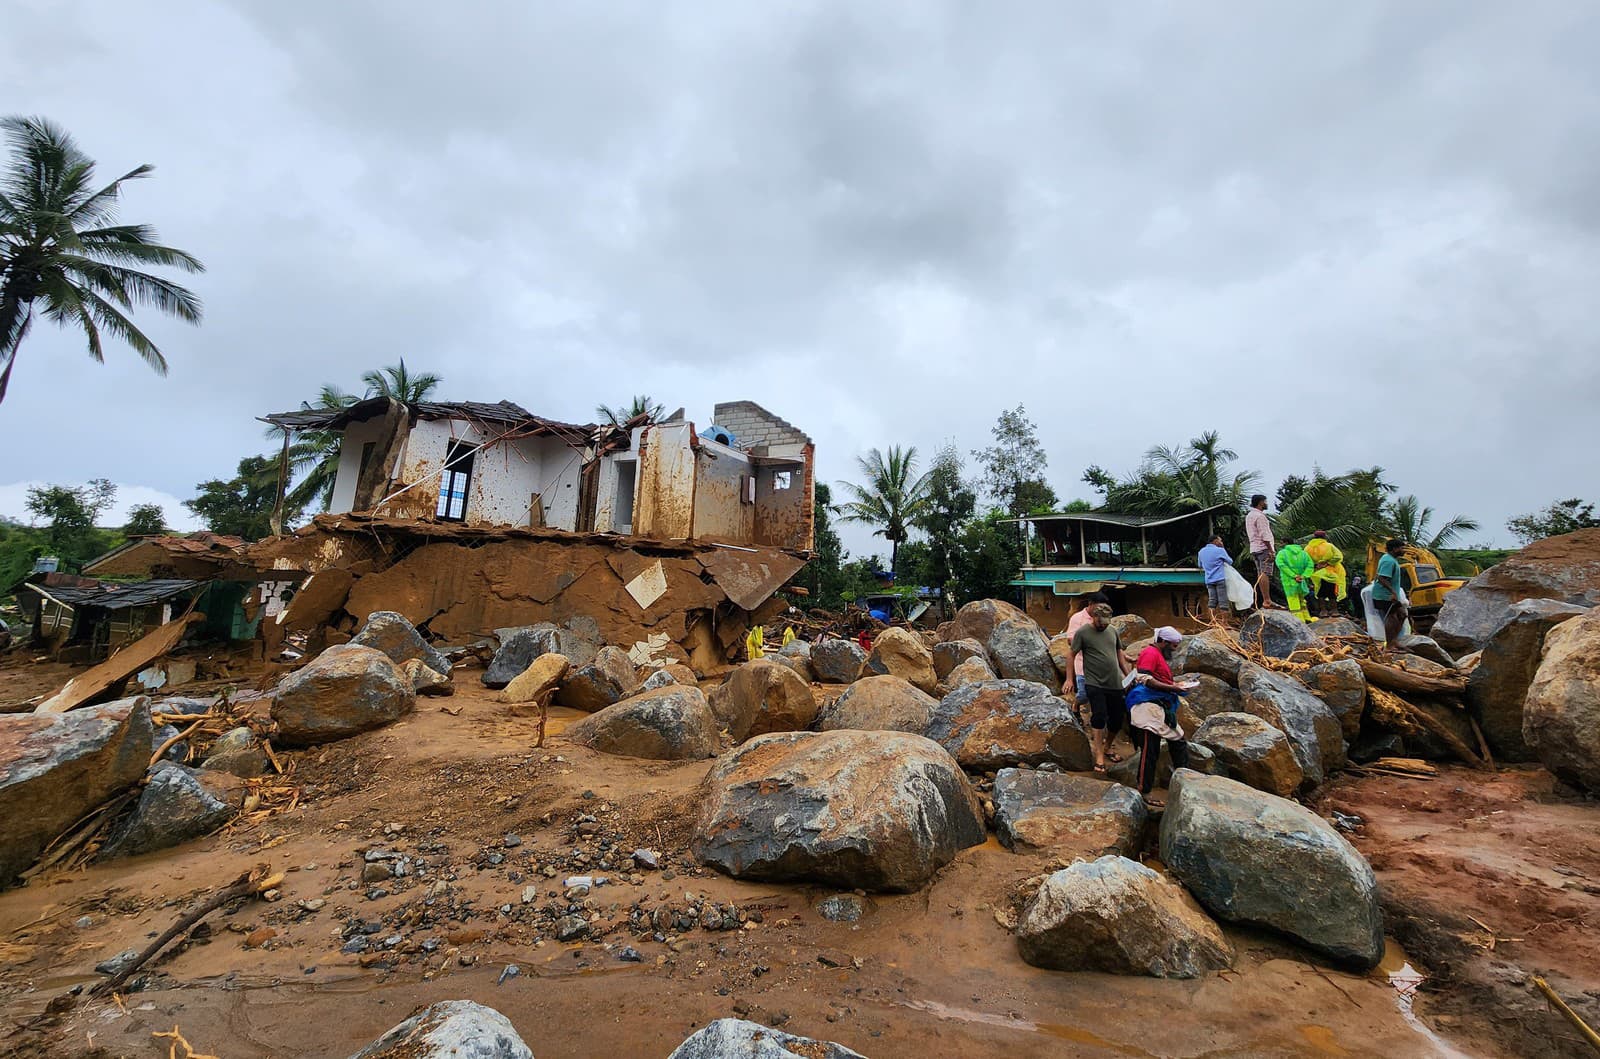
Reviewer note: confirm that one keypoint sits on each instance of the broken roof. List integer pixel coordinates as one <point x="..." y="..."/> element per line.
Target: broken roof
<point x="114" y="597"/>
<point x="137" y="556"/>
<point x="506" y="412"/>
<point x="1109" y="518"/>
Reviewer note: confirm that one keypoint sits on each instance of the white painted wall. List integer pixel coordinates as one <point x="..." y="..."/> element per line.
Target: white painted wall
<point x="344" y="482"/>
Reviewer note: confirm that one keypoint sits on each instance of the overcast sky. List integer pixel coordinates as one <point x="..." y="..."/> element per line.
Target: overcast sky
<point x="1341" y="234"/>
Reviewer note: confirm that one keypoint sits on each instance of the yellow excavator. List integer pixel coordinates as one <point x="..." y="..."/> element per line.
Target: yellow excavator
<point x="1425" y="583"/>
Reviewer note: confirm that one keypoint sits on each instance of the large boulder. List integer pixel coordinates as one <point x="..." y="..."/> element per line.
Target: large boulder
<point x="673" y="723"/>
<point x="56" y="767"/>
<point x="1277" y="633"/>
<point x="837" y="661"/>
<point x="1498" y="685"/>
<point x="239" y="753"/>
<point x="578" y="637"/>
<point x="518" y="649"/>
<point x="450" y="1029"/>
<point x="1425" y="647"/>
<point x="1198" y="758"/>
<point x="1332" y="628"/>
<point x="1212" y="696"/>
<point x="607" y="680"/>
<point x="879" y="704"/>
<point x="972" y="671"/>
<point x="179" y="803"/>
<point x="1020" y="651"/>
<point x="1131" y="628"/>
<point x="1342" y="687"/>
<point x="977" y="620"/>
<point x="738" y="1039"/>
<point x="542" y="677"/>
<point x="1117" y="916"/>
<point x="999" y="723"/>
<point x="856" y="810"/>
<point x="901" y="653"/>
<point x="1314" y="732"/>
<point x="343" y="691"/>
<point x="425" y="680"/>
<point x="796" y="654"/>
<point x="1564" y="568"/>
<point x="763" y="696"/>
<point x="1075" y="815"/>
<point x="951" y="653"/>
<point x="1208" y="653"/>
<point x="1252" y="857"/>
<point x="1252" y="751"/>
<point x="1561" y="718"/>
<point x="391" y="633"/>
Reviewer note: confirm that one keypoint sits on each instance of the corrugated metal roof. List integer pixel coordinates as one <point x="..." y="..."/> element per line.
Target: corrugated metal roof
<point x="117" y="597"/>
<point x="506" y="412"/>
<point x="1109" y="518"/>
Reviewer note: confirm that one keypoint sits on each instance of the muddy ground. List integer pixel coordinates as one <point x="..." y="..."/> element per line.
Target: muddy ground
<point x="480" y="820"/>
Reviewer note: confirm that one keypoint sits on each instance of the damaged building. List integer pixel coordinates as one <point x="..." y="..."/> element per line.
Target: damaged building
<point x="467" y="517"/>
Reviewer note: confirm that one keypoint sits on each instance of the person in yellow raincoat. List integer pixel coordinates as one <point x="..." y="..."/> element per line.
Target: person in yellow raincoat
<point x="1328" y="562"/>
<point x="755" y="643"/>
<point x="1294" y="573"/>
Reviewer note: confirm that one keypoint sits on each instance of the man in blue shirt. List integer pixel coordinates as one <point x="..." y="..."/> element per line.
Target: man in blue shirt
<point x="1388" y="588"/>
<point x="1215" y="560"/>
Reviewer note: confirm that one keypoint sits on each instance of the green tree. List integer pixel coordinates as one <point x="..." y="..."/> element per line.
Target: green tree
<point x="948" y="503"/>
<point x="824" y="576"/>
<point x="641" y="405"/>
<point x="987" y="558"/>
<point x="1563" y="516"/>
<point x="63" y="255"/>
<point x="241" y="505"/>
<point x="892" y="498"/>
<point x="1349" y="507"/>
<point x="1291" y="489"/>
<point x="396" y="382"/>
<point x="1409" y="520"/>
<point x="69" y="514"/>
<point x="145" y="520"/>
<point x="1014" y="466"/>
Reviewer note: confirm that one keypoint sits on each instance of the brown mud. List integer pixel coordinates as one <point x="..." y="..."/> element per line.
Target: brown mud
<point x="922" y="975"/>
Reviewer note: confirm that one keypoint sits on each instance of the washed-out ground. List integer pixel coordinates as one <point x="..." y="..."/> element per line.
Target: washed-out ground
<point x="482" y="821"/>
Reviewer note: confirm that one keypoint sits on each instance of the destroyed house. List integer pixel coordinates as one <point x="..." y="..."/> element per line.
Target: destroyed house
<point x="1145" y="564"/>
<point x="747" y="479"/>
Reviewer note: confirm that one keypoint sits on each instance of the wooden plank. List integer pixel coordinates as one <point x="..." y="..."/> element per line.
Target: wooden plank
<point x="85" y="688"/>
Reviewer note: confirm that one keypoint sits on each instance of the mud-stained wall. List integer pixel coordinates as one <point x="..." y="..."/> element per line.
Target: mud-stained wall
<point x="782" y="513"/>
<point x="720" y="513"/>
<point x="664" y="503"/>
<point x="356" y="436"/>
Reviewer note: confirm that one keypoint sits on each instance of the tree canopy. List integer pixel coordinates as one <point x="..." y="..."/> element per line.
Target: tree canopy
<point x="1562" y="516"/>
<point x="893" y="497"/>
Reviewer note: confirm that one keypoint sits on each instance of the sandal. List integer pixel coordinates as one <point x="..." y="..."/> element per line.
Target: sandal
<point x="1100" y="768"/>
<point x="1113" y="757"/>
<point x="1154" y="803"/>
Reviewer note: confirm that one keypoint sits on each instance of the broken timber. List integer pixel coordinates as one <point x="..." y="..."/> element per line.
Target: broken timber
<point x="109" y="675"/>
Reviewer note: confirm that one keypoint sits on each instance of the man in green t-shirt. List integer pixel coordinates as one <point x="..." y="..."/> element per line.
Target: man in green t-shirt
<point x="1103" y="670"/>
<point x="1388" y="588"/>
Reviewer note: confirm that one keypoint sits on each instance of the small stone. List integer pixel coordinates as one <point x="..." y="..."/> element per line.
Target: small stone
<point x="629" y="954"/>
<point x="569" y="928"/>
<point x="118" y="963"/>
<point x="648" y="859"/>
<point x="512" y="841"/>
<point x="511" y="971"/>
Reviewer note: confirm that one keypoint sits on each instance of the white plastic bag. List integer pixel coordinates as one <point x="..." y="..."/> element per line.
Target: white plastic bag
<point x="1240" y="594"/>
<point x="1375" y="620"/>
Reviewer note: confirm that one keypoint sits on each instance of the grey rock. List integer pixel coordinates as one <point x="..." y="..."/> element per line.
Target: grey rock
<point x="1561" y="717"/>
<point x="855" y="810"/>
<point x="796" y="654"/>
<point x="972" y="671"/>
<point x="951" y="653"/>
<point x="1002" y="723"/>
<point x="177" y="751"/>
<point x="880" y="704"/>
<point x="1564" y="568"/>
<point x="1343" y="689"/>
<point x="1314" y="732"/>
<point x="659" y="679"/>
<point x="570" y="928"/>
<point x="1370" y="748"/>
<point x="762" y="696"/>
<point x="1213" y="696"/>
<point x="605" y="681"/>
<point x="1329" y="628"/>
<point x="1253" y="752"/>
<point x="1425" y="647"/>
<point x="578" y="637"/>
<point x="843" y="908"/>
<point x="1201" y="759"/>
<point x="178" y="804"/>
<point x="1498" y="685"/>
<point x="1020" y="651"/>
<point x="345" y="690"/>
<point x="1074" y="815"/>
<point x="450" y="1029"/>
<point x="837" y="661"/>
<point x="118" y="963"/>
<point x="391" y="633"/>
<point x="1207" y="653"/>
<point x="1117" y="916"/>
<point x="1276" y="632"/>
<point x="239" y="752"/>
<point x="518" y="648"/>
<point x="1252" y="857"/>
<point x="673" y="723"/>
<point x="738" y="1039"/>
<point x="57" y="767"/>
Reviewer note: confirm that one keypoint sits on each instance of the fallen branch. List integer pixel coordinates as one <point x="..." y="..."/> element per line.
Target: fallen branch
<point x="1394" y="678"/>
<point x="252" y="882"/>
<point x="1483" y="744"/>
<point x="161" y="751"/>
<point x="1572" y="1016"/>
<point x="177" y="1039"/>
<point x="1391" y="709"/>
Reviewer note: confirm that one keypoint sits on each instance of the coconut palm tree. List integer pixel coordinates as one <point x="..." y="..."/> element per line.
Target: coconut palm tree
<point x="396" y="382"/>
<point x="642" y="406"/>
<point x="1348" y="507"/>
<point x="316" y="452"/>
<point x="893" y="497"/>
<point x="63" y="255"/>
<point x="1409" y="520"/>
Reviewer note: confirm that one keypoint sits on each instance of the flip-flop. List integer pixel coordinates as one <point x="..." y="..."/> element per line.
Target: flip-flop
<point x="1155" y="803"/>
<point x="1115" y="759"/>
<point x="1100" y="768"/>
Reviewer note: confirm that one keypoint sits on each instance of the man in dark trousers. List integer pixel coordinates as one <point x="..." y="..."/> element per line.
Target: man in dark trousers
<point x="1104" y="669"/>
<point x="1388" y="589"/>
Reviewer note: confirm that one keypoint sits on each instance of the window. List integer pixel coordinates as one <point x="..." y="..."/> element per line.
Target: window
<point x="780" y="481"/>
<point x="455" y="482"/>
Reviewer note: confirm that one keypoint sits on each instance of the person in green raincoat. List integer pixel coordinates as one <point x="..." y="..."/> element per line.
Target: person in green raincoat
<point x="1294" y="573"/>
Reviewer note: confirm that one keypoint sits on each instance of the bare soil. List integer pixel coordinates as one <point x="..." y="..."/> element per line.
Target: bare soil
<point x="482" y="817"/>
